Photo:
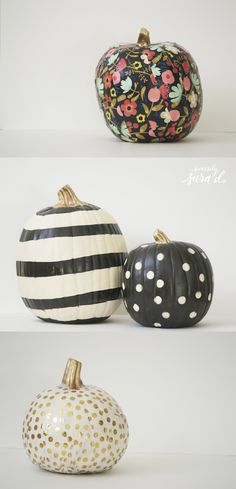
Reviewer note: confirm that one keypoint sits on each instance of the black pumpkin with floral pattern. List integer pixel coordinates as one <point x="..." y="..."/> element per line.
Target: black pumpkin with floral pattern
<point x="149" y="92"/>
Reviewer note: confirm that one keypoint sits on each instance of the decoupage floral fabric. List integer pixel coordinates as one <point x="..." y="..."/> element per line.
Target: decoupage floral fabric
<point x="149" y="94"/>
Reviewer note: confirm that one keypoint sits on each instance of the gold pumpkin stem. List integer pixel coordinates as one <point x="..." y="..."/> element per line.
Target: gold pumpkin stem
<point x="160" y="237"/>
<point x="143" y="38"/>
<point x="71" y="375"/>
<point x="68" y="198"/>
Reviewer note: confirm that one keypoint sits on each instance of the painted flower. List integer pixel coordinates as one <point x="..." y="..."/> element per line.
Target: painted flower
<point x="150" y="54"/>
<point x="125" y="131"/>
<point x="116" y="77"/>
<point x="154" y="94"/>
<point x="170" y="115"/>
<point x="112" y="59"/>
<point x="176" y="93"/>
<point x="171" y="130"/>
<point x="153" y="126"/>
<point x="110" y="52"/>
<point x="179" y="130"/>
<point x="140" y="118"/>
<point x="186" y="66"/>
<point x="145" y="59"/>
<point x="113" y="92"/>
<point x="108" y="115"/>
<point x="168" y="77"/>
<point x="164" y="89"/>
<point x="155" y="70"/>
<point x="187" y="83"/>
<point x="156" y="47"/>
<point x="171" y="48"/>
<point x="100" y="85"/>
<point x="137" y="65"/>
<point x="126" y="84"/>
<point x="107" y="79"/>
<point x="194" y="117"/>
<point x="119" y="111"/>
<point x="107" y="102"/>
<point x="121" y="64"/>
<point x="193" y="99"/>
<point x="114" y="128"/>
<point x="129" y="108"/>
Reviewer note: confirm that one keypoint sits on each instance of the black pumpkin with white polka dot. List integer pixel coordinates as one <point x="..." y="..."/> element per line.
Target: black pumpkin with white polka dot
<point x="167" y="283"/>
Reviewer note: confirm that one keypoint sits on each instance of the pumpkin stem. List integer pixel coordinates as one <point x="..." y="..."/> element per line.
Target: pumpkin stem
<point x="160" y="237"/>
<point x="71" y="375"/>
<point x="143" y="38"/>
<point x="68" y="198"/>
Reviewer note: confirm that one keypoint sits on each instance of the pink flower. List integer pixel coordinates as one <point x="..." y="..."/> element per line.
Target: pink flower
<point x="153" y="79"/>
<point x="153" y="126"/>
<point x="164" y="89"/>
<point x="186" y="66"/>
<point x="187" y="83"/>
<point x="171" y="130"/>
<point x="121" y="64"/>
<point x="149" y="53"/>
<point x="174" y="115"/>
<point x="154" y="94"/>
<point x="116" y="77"/>
<point x="168" y="77"/>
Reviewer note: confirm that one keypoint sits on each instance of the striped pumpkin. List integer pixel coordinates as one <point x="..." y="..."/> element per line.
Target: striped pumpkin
<point x="69" y="262"/>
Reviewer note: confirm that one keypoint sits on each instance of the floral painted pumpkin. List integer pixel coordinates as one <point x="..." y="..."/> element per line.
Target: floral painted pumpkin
<point x="167" y="283"/>
<point x="75" y="428"/>
<point x="69" y="262"/>
<point x="149" y="92"/>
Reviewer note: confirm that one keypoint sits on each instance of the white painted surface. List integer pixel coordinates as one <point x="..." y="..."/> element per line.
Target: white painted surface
<point x="141" y="194"/>
<point x="50" y="50"/>
<point x="135" y="470"/>
<point x="80" y="144"/>
<point x="177" y="388"/>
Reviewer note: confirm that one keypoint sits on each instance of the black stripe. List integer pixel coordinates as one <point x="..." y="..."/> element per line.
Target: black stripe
<point x="69" y="231"/>
<point x="76" y="321"/>
<point x="74" y="300"/>
<point x="63" y="210"/>
<point x="65" y="267"/>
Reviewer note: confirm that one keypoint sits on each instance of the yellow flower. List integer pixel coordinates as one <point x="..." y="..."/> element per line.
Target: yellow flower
<point x="140" y="118"/>
<point x="113" y="92"/>
<point x="136" y="65"/>
<point x="108" y="115"/>
<point x="179" y="130"/>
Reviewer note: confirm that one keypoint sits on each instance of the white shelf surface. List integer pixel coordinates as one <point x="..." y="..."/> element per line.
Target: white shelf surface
<point x="25" y="322"/>
<point x="32" y="143"/>
<point x="136" y="470"/>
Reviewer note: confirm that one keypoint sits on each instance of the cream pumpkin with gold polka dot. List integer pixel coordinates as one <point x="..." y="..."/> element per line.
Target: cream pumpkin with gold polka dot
<point x="75" y="428"/>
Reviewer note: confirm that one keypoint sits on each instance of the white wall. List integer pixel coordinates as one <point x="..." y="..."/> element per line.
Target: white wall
<point x="50" y="48"/>
<point x="141" y="194"/>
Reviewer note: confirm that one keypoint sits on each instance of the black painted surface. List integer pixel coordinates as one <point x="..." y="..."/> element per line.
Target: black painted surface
<point x="177" y="283"/>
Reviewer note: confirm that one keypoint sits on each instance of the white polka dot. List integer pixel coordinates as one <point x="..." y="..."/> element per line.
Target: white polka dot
<point x="123" y="286"/>
<point x="190" y="250"/>
<point x="127" y="274"/>
<point x="139" y="288"/>
<point x="144" y="246"/>
<point x="202" y="277"/>
<point x="157" y="325"/>
<point x="160" y="283"/>
<point x="158" y="299"/>
<point x="160" y="256"/>
<point x="136" y="307"/>
<point x="181" y="299"/>
<point x="150" y="275"/>
<point x="192" y="314"/>
<point x="198" y="294"/>
<point x="166" y="315"/>
<point x="204" y="255"/>
<point x="186" y="267"/>
<point x="209" y="297"/>
<point x="138" y="265"/>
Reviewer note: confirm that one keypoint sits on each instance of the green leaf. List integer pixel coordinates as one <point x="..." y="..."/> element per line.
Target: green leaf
<point x="121" y="97"/>
<point x="143" y="92"/>
<point x="139" y="136"/>
<point x="135" y="98"/>
<point x="157" y="58"/>
<point x="157" y="107"/>
<point x="146" y="109"/>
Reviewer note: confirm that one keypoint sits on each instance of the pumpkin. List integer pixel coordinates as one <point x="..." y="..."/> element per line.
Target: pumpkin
<point x="167" y="283"/>
<point x="149" y="92"/>
<point x="75" y="428"/>
<point x="69" y="262"/>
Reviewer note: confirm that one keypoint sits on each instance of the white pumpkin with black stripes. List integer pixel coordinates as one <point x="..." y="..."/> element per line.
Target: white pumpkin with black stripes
<point x="69" y="262"/>
<point x="167" y="283"/>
